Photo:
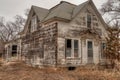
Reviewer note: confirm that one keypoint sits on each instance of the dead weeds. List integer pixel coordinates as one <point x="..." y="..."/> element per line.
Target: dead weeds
<point x="20" y="71"/>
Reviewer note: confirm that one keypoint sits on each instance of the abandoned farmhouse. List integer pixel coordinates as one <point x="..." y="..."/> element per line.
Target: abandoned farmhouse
<point x="65" y="35"/>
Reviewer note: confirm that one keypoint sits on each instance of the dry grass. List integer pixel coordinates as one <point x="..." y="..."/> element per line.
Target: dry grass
<point x="20" y="71"/>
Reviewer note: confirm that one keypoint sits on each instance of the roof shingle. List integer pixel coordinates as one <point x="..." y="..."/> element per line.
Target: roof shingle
<point x="64" y="10"/>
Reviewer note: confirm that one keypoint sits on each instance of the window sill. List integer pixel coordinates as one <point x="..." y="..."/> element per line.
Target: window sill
<point x="73" y="58"/>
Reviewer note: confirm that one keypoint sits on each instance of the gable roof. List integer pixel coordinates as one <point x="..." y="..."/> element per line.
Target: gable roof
<point x="40" y="12"/>
<point x="78" y="8"/>
<point x="63" y="10"/>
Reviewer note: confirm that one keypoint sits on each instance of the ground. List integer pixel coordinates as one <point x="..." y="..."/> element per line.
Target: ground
<point x="20" y="71"/>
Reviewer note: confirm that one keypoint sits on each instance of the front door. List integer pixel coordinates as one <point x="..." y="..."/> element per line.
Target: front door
<point x="90" y="51"/>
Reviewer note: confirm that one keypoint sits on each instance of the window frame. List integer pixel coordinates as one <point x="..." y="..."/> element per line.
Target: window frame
<point x="76" y="48"/>
<point x="90" y="49"/>
<point x="67" y="48"/>
<point x="72" y="47"/>
<point x="87" y="20"/>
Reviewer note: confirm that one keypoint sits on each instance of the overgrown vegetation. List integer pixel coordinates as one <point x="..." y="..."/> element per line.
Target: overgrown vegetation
<point x="20" y="71"/>
<point x="112" y="50"/>
<point x="112" y="9"/>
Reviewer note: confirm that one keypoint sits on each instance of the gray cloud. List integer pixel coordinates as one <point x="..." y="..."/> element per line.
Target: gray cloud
<point x="9" y="8"/>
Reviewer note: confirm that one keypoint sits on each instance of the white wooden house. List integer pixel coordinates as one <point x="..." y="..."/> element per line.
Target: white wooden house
<point x="65" y="35"/>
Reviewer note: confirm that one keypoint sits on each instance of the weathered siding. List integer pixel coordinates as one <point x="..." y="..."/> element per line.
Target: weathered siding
<point x="75" y="30"/>
<point x="65" y="32"/>
<point x="42" y="42"/>
<point x="50" y="39"/>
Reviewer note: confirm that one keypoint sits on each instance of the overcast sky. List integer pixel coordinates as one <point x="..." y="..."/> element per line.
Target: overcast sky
<point x="10" y="8"/>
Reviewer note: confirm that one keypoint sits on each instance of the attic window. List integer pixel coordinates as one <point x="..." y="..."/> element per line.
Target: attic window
<point x="34" y="24"/>
<point x="89" y="21"/>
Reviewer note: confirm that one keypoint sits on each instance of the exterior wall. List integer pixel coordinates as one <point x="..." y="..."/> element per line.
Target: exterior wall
<point x="64" y="32"/>
<point x="78" y="21"/>
<point x="8" y="51"/>
<point x="50" y="43"/>
<point x="73" y="30"/>
<point x="50" y="38"/>
<point x="41" y="42"/>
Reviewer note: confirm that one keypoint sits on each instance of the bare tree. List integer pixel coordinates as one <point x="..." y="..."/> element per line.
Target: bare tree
<point x="112" y="9"/>
<point x="9" y="30"/>
<point x="5" y="31"/>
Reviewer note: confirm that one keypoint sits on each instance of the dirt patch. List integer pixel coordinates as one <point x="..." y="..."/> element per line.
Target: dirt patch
<point x="20" y="71"/>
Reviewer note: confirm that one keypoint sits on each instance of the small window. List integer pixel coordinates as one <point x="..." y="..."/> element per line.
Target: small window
<point x="89" y="21"/>
<point x="68" y="47"/>
<point x="103" y="46"/>
<point x="14" y="50"/>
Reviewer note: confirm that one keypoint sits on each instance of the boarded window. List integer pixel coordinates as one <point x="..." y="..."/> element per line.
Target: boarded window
<point x="41" y="48"/>
<point x="89" y="21"/>
<point x="68" y="47"/>
<point x="103" y="45"/>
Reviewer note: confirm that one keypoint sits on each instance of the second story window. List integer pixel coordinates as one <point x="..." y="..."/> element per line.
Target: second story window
<point x="88" y="21"/>
<point x="34" y="24"/>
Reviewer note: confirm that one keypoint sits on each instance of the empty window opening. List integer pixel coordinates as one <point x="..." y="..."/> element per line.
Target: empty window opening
<point x="14" y="50"/>
<point x="68" y="47"/>
<point x="71" y="68"/>
<point x="72" y="48"/>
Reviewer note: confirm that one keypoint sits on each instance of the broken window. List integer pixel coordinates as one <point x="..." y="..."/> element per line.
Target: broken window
<point x="89" y="21"/>
<point x="14" y="50"/>
<point x="72" y="48"/>
<point x="68" y="47"/>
